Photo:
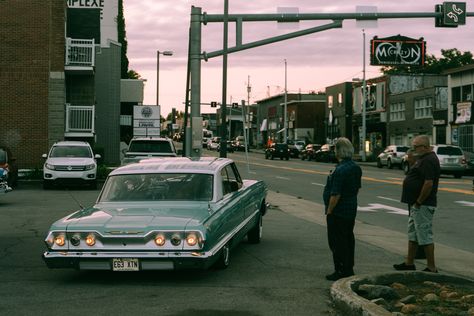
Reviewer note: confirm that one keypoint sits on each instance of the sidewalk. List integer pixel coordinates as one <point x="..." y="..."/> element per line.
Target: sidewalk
<point x="449" y="260"/>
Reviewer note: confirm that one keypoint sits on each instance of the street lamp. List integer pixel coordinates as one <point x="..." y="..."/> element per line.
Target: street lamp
<point x="164" y="53"/>
<point x="285" y="110"/>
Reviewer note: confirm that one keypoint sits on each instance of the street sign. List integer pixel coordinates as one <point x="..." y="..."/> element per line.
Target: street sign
<point x="454" y="13"/>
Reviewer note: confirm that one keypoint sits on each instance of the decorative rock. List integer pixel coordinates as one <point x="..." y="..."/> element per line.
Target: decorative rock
<point x="431" y="297"/>
<point x="470" y="312"/>
<point x="444" y="294"/>
<point x="398" y="286"/>
<point x="381" y="302"/>
<point x="376" y="291"/>
<point x="468" y="298"/>
<point x="411" y="309"/>
<point x="397" y="307"/>
<point x="397" y="314"/>
<point x="448" y="311"/>
<point x="452" y="295"/>
<point x="410" y="299"/>
<point x="433" y="284"/>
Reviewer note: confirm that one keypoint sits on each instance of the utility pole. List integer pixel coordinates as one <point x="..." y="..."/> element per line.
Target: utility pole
<point x="285" y="134"/>
<point x="364" y="97"/>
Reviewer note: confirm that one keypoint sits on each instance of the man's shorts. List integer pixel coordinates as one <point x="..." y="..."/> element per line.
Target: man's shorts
<point x="420" y="225"/>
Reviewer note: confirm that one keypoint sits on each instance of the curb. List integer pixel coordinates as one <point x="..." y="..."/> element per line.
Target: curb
<point x="351" y="304"/>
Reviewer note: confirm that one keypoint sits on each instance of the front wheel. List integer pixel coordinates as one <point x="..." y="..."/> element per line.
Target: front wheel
<point x="224" y="257"/>
<point x="389" y="164"/>
<point x="379" y="163"/>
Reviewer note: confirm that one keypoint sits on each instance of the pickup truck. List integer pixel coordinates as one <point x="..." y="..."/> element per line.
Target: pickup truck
<point x="149" y="147"/>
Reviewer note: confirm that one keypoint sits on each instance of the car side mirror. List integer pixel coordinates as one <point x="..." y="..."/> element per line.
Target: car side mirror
<point x="44" y="156"/>
<point x="97" y="156"/>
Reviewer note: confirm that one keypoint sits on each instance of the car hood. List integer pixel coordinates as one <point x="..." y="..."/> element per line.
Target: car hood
<point x="70" y="161"/>
<point x="144" y="218"/>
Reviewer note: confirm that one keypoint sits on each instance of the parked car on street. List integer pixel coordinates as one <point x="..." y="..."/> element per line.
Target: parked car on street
<point x="308" y="152"/>
<point x="229" y="147"/>
<point x="161" y="214"/>
<point x="70" y="162"/>
<point x="148" y="147"/>
<point x="239" y="143"/>
<point x="452" y="160"/>
<point x="392" y="156"/>
<point x="213" y="143"/>
<point x="277" y="150"/>
<point x="326" y="153"/>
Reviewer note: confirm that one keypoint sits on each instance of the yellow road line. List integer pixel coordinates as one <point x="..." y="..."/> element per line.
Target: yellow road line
<point x="400" y="182"/>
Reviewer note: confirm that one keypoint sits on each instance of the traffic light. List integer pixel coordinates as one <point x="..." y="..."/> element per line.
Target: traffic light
<point x="452" y="14"/>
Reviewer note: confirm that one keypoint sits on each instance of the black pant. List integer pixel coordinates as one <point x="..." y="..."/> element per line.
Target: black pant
<point x="342" y="243"/>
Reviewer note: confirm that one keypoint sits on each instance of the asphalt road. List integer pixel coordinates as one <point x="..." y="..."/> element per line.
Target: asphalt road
<point x="379" y="198"/>
<point x="283" y="275"/>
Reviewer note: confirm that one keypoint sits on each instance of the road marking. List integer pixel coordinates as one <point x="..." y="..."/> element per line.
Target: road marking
<point x="374" y="207"/>
<point x="283" y="178"/>
<point x="320" y="184"/>
<point x="468" y="192"/>
<point x="465" y="203"/>
<point x="386" y="198"/>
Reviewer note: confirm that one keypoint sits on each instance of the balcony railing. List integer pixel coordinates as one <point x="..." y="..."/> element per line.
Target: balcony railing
<point x="80" y="52"/>
<point x="80" y="120"/>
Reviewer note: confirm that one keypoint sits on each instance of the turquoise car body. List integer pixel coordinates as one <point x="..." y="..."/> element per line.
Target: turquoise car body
<point x="164" y="232"/>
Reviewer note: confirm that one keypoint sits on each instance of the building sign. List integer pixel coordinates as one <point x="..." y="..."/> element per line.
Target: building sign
<point x="463" y="112"/>
<point x="397" y="51"/>
<point x="146" y="120"/>
<point x="108" y="16"/>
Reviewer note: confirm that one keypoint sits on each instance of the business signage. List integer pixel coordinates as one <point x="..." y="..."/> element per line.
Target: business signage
<point x="146" y="120"/>
<point x="397" y="51"/>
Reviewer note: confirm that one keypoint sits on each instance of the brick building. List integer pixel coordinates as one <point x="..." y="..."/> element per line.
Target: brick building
<point x="32" y="93"/>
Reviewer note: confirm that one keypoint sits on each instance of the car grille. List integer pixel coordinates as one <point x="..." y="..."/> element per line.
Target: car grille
<point x="69" y="168"/>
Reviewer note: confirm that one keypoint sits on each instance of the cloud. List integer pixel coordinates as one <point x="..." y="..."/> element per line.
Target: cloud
<point x="153" y="25"/>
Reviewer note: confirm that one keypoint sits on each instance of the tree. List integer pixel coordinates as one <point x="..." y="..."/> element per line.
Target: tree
<point x="132" y="74"/>
<point x="451" y="58"/>
<point x="122" y="38"/>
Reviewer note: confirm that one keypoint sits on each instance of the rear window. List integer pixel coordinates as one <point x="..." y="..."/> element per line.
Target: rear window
<point x="146" y="146"/>
<point x="402" y="149"/>
<point x="449" y="151"/>
<point x="71" y="151"/>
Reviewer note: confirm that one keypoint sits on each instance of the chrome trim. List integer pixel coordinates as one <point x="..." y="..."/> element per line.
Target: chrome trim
<point x="151" y="254"/>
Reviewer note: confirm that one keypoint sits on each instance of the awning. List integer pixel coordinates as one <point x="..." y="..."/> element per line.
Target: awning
<point x="263" y="127"/>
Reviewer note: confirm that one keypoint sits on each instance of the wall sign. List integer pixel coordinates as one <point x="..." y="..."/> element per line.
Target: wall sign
<point x="396" y="51"/>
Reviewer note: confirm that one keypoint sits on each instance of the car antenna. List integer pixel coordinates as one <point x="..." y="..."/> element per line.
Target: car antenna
<point x="75" y="200"/>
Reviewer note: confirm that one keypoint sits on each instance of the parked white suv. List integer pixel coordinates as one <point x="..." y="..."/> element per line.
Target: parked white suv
<point x="70" y="162"/>
<point x="451" y="159"/>
<point x="392" y="156"/>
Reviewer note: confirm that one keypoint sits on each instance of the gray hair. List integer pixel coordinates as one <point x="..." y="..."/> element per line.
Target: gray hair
<point x="344" y="148"/>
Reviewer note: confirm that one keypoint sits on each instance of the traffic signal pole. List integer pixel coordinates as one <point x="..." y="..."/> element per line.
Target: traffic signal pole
<point x="443" y="18"/>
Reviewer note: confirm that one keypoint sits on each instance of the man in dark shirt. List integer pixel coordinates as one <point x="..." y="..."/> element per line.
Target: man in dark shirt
<point x="340" y="200"/>
<point x="419" y="191"/>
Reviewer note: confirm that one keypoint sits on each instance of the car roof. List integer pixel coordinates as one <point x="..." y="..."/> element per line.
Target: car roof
<point x="71" y="143"/>
<point x="208" y="165"/>
<point x="150" y="138"/>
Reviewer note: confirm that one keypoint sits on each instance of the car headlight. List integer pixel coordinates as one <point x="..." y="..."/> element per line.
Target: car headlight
<point x="59" y="240"/>
<point x="191" y="239"/>
<point x="90" y="167"/>
<point x="90" y="240"/>
<point x="160" y="240"/>
<point x="49" y="166"/>
<point x="176" y="240"/>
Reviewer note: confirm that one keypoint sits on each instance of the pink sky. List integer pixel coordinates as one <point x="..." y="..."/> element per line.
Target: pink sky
<point x="313" y="61"/>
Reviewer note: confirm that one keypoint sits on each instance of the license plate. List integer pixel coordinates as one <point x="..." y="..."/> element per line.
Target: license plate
<point x="125" y="264"/>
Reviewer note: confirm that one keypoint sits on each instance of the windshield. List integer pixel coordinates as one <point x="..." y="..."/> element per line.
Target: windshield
<point x="147" y="146"/>
<point x="158" y="187"/>
<point x="449" y="151"/>
<point x="71" y="151"/>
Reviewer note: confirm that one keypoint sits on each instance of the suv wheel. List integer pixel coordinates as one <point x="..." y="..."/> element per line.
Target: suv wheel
<point x="379" y="164"/>
<point x="389" y="164"/>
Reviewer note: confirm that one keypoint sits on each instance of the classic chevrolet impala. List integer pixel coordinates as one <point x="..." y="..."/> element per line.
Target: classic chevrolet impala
<point x="161" y="214"/>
